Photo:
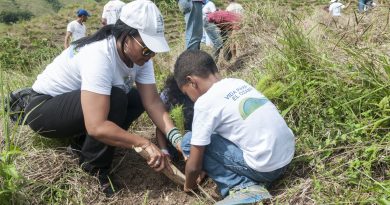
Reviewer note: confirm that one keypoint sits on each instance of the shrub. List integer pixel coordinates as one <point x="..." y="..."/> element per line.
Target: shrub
<point x="55" y="4"/>
<point x="14" y="56"/>
<point x="10" y="17"/>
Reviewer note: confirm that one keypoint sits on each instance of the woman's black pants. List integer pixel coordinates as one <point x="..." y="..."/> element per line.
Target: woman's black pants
<point x="62" y="117"/>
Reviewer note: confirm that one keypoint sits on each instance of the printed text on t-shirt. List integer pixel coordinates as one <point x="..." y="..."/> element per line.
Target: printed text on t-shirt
<point x="238" y="92"/>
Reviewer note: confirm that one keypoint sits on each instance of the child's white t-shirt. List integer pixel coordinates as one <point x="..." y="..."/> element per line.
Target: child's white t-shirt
<point x="335" y="8"/>
<point x="96" y="67"/>
<point x="238" y="112"/>
<point x="78" y="30"/>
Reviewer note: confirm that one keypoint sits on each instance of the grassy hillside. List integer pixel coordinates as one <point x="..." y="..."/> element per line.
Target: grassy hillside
<point x="330" y="79"/>
<point x="38" y="7"/>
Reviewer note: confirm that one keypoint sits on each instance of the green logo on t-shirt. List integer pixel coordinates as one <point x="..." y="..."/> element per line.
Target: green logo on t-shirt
<point x="249" y="105"/>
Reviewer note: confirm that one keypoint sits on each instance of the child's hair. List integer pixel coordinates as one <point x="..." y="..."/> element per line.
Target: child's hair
<point x="193" y="62"/>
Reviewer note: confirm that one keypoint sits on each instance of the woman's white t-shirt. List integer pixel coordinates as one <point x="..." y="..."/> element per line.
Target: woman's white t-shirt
<point x="238" y="112"/>
<point x="96" y="67"/>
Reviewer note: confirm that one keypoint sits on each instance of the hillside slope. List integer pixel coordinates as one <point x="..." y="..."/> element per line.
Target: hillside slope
<point x="38" y="7"/>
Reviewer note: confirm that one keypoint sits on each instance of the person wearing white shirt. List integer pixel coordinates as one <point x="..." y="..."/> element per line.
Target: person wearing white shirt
<point x="235" y="7"/>
<point x="211" y="30"/>
<point x="192" y="11"/>
<point x="208" y="7"/>
<point x="238" y="9"/>
<point x="87" y="92"/>
<point x="238" y="136"/>
<point x="335" y="8"/>
<point x="111" y="12"/>
<point x="76" y="29"/>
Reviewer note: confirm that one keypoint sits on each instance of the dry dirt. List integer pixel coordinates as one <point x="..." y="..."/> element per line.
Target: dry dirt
<point x="140" y="184"/>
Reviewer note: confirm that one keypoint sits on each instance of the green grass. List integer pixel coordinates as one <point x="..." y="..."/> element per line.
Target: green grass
<point x="11" y="180"/>
<point x="177" y="115"/>
<point x="330" y="82"/>
<point x="334" y="95"/>
<point x="39" y="7"/>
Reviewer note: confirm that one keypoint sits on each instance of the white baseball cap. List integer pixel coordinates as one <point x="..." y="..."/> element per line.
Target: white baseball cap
<point x="144" y="16"/>
<point x="332" y="1"/>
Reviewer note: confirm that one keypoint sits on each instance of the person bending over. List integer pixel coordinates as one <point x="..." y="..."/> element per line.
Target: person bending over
<point x="238" y="136"/>
<point x="87" y="91"/>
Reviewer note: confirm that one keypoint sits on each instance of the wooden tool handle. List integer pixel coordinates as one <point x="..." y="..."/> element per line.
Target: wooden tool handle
<point x="176" y="175"/>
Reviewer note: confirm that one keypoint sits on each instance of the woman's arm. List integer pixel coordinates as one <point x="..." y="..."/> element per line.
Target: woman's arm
<point x="161" y="139"/>
<point x="155" y="107"/>
<point x="95" y="110"/>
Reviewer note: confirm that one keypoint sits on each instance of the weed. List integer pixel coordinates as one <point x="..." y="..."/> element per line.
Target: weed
<point x="177" y="115"/>
<point x="11" y="180"/>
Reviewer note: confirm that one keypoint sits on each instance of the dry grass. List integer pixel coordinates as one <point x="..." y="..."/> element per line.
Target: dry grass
<point x="55" y="177"/>
<point x="359" y="41"/>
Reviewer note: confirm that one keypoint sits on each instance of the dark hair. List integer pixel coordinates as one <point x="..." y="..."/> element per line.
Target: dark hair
<point x="116" y="30"/>
<point x="175" y="97"/>
<point x="193" y="62"/>
<point x="174" y="94"/>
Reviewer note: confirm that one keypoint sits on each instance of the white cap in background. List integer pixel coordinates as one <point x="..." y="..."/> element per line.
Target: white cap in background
<point x="144" y="16"/>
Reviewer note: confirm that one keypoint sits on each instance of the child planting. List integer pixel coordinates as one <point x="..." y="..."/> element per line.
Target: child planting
<point x="238" y="136"/>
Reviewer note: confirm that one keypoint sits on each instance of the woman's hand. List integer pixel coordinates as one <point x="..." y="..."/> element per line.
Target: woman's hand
<point x="157" y="160"/>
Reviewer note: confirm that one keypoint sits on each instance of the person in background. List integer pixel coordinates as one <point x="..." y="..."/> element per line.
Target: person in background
<point x="335" y="8"/>
<point x="205" y="38"/>
<point x="87" y="92"/>
<point x="76" y="29"/>
<point x="364" y="5"/>
<point x="238" y="136"/>
<point x="192" y="10"/>
<point x="361" y="4"/>
<point x="238" y="9"/>
<point x="235" y="7"/>
<point x="111" y="12"/>
<point x="227" y="22"/>
<point x="212" y="29"/>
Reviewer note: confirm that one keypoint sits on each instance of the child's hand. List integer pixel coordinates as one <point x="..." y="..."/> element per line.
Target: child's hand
<point x="189" y="189"/>
<point x="201" y="178"/>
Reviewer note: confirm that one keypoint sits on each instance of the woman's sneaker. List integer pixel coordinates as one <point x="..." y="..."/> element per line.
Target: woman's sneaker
<point x="248" y="195"/>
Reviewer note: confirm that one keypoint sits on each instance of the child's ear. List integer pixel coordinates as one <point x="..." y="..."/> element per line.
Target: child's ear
<point x="189" y="79"/>
<point x="192" y="81"/>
